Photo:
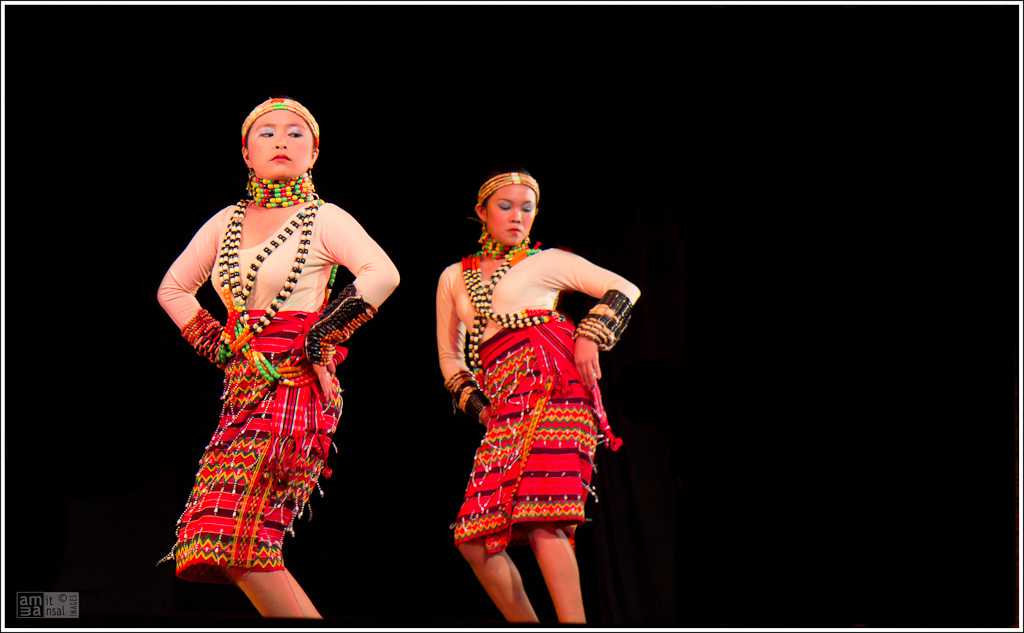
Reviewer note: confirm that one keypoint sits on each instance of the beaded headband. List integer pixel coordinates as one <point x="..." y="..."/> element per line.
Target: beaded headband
<point x="282" y="104"/>
<point x="501" y="180"/>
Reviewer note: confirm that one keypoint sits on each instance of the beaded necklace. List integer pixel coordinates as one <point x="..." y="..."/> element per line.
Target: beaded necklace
<point x="493" y="248"/>
<point x="281" y="193"/>
<point x="239" y="331"/>
<point x="482" y="296"/>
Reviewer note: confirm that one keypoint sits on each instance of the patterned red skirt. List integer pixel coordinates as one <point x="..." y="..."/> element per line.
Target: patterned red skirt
<point x="535" y="461"/>
<point x="261" y="466"/>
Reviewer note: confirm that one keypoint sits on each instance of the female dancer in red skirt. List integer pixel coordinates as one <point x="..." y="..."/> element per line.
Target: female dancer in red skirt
<point x="531" y="378"/>
<point x="272" y="259"/>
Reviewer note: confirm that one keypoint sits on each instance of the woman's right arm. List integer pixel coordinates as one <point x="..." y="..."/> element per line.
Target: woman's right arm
<point x="183" y="279"/>
<point x="451" y="336"/>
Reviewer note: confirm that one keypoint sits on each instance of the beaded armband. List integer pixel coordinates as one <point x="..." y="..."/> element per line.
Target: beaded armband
<point x="343" y="316"/>
<point x="466" y="394"/>
<point x="203" y="333"/>
<point x="607" y="320"/>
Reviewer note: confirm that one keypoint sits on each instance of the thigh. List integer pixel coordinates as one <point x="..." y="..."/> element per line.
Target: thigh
<point x="473" y="551"/>
<point x="539" y="533"/>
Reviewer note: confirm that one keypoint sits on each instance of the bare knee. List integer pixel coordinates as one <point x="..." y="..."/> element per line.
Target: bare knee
<point x="235" y="574"/>
<point x="473" y="552"/>
<point x="542" y="534"/>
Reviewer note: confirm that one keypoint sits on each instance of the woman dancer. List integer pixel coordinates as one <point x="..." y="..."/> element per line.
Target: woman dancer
<point x="272" y="259"/>
<point x="531" y="378"/>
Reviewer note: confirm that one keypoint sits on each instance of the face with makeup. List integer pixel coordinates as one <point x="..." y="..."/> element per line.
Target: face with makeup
<point x="509" y="213"/>
<point x="279" y="146"/>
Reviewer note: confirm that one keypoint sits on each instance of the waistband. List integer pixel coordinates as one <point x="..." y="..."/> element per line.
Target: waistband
<point x="286" y="332"/>
<point x="556" y="335"/>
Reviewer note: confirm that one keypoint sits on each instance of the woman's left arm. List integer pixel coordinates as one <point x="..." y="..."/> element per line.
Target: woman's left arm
<point x="348" y="244"/>
<point x="345" y="242"/>
<point x="602" y="327"/>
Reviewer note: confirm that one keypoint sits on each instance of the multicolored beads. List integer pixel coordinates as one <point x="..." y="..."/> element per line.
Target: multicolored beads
<point x="281" y="193"/>
<point x="493" y="248"/>
<point x="203" y="333"/>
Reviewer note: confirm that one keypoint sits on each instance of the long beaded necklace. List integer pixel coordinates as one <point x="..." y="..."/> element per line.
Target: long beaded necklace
<point x="239" y="331"/>
<point x="482" y="296"/>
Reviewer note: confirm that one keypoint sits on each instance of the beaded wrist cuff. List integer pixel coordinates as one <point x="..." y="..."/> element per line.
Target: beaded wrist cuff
<point x="466" y="394"/>
<point x="203" y="333"/>
<point x="343" y="316"/>
<point x="607" y="320"/>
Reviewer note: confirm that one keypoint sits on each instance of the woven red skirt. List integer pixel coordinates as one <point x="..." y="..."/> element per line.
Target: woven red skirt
<point x="261" y="466"/>
<point x="535" y="461"/>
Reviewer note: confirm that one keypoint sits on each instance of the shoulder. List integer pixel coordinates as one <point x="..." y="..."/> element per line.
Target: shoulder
<point x="334" y="223"/>
<point x="226" y="211"/>
<point x="225" y="214"/>
<point x="219" y="220"/>
<point x="555" y="252"/>
<point x="450" y="273"/>
<point x="554" y="256"/>
<point x="333" y="213"/>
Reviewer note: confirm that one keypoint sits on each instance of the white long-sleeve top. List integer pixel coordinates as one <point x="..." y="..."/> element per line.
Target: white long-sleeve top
<point x="533" y="283"/>
<point x="337" y="239"/>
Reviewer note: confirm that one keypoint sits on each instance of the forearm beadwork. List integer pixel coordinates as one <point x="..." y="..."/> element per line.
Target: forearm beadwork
<point x="343" y="316"/>
<point x="466" y="394"/>
<point x="203" y="333"/>
<point x="607" y="320"/>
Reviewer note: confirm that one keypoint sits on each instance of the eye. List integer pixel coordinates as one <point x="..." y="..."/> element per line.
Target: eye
<point x="295" y="134"/>
<point x="527" y="208"/>
<point x="504" y="206"/>
<point x="266" y="133"/>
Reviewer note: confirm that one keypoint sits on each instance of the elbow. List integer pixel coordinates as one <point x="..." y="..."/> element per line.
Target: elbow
<point x="394" y="279"/>
<point x="636" y="295"/>
<point x="631" y="291"/>
<point x="163" y="295"/>
<point x="383" y="286"/>
<point x="389" y="280"/>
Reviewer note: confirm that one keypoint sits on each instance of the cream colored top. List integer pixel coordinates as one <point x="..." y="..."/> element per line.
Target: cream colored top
<point x="337" y="239"/>
<point x="532" y="283"/>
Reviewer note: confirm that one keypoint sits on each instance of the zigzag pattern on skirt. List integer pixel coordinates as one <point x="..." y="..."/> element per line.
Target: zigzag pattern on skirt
<point x="536" y="459"/>
<point x="258" y="471"/>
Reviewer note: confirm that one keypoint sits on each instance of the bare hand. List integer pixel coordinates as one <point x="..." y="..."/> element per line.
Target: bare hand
<point x="328" y="383"/>
<point x="587" y="362"/>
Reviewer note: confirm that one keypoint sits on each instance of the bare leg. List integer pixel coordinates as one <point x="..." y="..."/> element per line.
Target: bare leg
<point x="272" y="593"/>
<point x="308" y="609"/>
<point x="500" y="578"/>
<point x="561" y="573"/>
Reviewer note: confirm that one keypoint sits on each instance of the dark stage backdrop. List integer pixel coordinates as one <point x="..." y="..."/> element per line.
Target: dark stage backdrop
<point x="817" y="391"/>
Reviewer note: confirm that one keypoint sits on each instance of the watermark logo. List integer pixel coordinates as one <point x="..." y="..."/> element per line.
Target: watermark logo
<point x="47" y="604"/>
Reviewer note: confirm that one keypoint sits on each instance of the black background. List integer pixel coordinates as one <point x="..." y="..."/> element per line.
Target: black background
<point x="817" y="390"/>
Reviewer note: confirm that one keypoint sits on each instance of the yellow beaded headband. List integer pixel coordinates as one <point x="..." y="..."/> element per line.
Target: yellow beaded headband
<point x="282" y="104"/>
<point x="501" y="180"/>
